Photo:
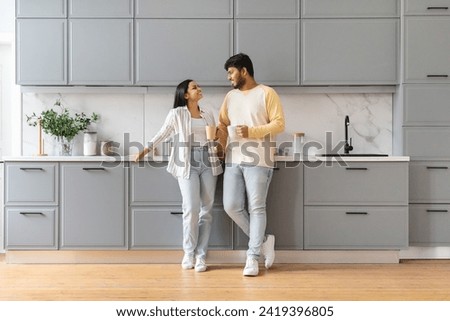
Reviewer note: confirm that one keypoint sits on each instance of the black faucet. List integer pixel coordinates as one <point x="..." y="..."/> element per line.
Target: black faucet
<point x="348" y="146"/>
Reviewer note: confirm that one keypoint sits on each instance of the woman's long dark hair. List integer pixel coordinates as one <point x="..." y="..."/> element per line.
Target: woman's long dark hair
<point x="181" y="90"/>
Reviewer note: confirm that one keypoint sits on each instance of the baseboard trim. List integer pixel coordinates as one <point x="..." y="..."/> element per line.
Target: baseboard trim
<point x="214" y="257"/>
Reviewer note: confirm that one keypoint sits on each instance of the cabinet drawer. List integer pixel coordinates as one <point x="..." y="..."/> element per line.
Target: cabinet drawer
<point x="153" y="185"/>
<point x="41" y="9"/>
<point x="429" y="182"/>
<point x="429" y="224"/>
<point x="427" y="142"/>
<point x="31" y="228"/>
<point x="373" y="183"/>
<point x="162" y="228"/>
<point x="184" y="9"/>
<point x="356" y="227"/>
<point x="100" y="8"/>
<point x="350" y="8"/>
<point x="31" y="183"/>
<point x="427" y="7"/>
<point x="426" y="49"/>
<point x="426" y="105"/>
<point x="267" y="9"/>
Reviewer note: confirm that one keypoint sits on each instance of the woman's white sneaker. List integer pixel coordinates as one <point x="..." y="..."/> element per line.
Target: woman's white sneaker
<point x="200" y="265"/>
<point x="268" y="250"/>
<point x="251" y="267"/>
<point x="188" y="262"/>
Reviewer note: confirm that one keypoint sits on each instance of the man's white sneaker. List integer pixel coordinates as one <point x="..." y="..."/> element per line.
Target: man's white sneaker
<point x="268" y="250"/>
<point x="200" y="265"/>
<point x="251" y="267"/>
<point x="188" y="262"/>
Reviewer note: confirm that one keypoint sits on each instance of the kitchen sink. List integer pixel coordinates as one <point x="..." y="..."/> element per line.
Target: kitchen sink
<point x="352" y="155"/>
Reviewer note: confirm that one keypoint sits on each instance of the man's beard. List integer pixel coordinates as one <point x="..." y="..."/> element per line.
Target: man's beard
<point x="240" y="83"/>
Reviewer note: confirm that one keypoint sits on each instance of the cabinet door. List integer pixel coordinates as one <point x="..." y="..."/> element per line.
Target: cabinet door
<point x="284" y="209"/>
<point x="342" y="227"/>
<point x="31" y="228"/>
<point x="350" y="8"/>
<point x="429" y="182"/>
<point x="426" y="7"/>
<point x="427" y="142"/>
<point x="267" y="9"/>
<point x="41" y="9"/>
<point x="162" y="228"/>
<point x="41" y="52"/>
<point x="427" y="48"/>
<point x="429" y="225"/>
<point x="100" y="51"/>
<point x="93" y="207"/>
<point x="363" y="183"/>
<point x="426" y="105"/>
<point x="273" y="45"/>
<point x="349" y="51"/>
<point x="100" y="8"/>
<point x="31" y="183"/>
<point x="184" y="9"/>
<point x="169" y="51"/>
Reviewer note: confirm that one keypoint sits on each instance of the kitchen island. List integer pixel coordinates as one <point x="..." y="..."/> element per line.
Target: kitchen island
<point x="103" y="209"/>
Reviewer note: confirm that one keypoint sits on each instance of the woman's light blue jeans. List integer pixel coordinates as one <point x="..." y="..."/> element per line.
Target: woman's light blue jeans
<point x="240" y="181"/>
<point x="198" y="199"/>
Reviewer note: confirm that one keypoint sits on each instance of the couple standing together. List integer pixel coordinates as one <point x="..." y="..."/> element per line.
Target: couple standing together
<point x="249" y="118"/>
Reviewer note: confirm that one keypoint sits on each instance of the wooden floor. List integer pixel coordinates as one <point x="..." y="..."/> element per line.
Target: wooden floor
<point x="409" y="280"/>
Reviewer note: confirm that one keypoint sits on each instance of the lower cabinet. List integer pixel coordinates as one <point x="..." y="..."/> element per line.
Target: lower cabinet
<point x="368" y="209"/>
<point x="93" y="206"/>
<point x="284" y="209"/>
<point x="29" y="228"/>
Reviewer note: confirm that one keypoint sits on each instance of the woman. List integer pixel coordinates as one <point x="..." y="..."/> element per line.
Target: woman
<point x="194" y="163"/>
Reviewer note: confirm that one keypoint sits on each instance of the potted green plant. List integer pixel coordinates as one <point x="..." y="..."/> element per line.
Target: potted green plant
<point x="62" y="125"/>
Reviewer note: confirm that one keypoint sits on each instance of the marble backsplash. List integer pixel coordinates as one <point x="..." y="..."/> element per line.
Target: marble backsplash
<point x="132" y="119"/>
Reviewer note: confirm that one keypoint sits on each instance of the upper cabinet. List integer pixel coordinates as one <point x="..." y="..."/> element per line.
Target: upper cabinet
<point x="350" y="42"/>
<point x="41" y="9"/>
<point x="161" y="42"/>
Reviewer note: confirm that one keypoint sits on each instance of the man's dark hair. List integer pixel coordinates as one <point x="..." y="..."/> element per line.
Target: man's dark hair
<point x="240" y="61"/>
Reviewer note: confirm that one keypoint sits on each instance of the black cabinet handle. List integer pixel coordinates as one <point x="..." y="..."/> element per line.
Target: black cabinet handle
<point x="94" y="169"/>
<point x="356" y="213"/>
<point x="437" y="8"/>
<point x="437" y="167"/>
<point x="31" y="169"/>
<point x="356" y="168"/>
<point x="176" y="213"/>
<point x="31" y="213"/>
<point x="437" y="76"/>
<point x="437" y="211"/>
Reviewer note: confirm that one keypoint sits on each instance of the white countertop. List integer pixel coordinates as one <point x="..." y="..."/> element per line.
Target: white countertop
<point x="311" y="158"/>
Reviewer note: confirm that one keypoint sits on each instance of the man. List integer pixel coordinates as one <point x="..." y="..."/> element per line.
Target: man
<point x="250" y="116"/>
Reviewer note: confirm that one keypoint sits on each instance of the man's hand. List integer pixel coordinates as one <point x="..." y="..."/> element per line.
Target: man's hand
<point x="242" y="131"/>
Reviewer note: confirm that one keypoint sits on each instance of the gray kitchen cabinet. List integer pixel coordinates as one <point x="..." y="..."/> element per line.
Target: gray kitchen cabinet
<point x="184" y="9"/>
<point x="349" y="51"/>
<point x="93" y="206"/>
<point x="267" y="9"/>
<point x="41" y="8"/>
<point x="273" y="45"/>
<point x="101" y="8"/>
<point x="284" y="209"/>
<point x="426" y="142"/>
<point x="426" y="7"/>
<point x="41" y="51"/>
<point x="162" y="228"/>
<point x="358" y="205"/>
<point x="28" y="228"/>
<point x="429" y="224"/>
<point x="350" y="8"/>
<point x="426" y="51"/>
<point x="31" y="183"/>
<point x="426" y="104"/>
<point x="100" y="51"/>
<point x="31" y="205"/>
<point x="429" y="182"/>
<point x="165" y="54"/>
<point x="156" y="210"/>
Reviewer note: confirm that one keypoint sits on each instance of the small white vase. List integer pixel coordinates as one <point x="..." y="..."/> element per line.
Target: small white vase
<point x="90" y="144"/>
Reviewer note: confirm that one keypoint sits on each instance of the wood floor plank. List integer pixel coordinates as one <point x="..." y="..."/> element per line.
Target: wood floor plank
<point x="409" y="280"/>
